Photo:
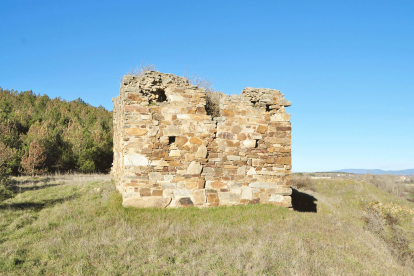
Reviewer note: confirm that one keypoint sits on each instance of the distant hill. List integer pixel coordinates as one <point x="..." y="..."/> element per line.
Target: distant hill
<point x="364" y="171"/>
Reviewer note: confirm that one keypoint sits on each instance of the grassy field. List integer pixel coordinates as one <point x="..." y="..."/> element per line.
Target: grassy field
<point x="75" y="225"/>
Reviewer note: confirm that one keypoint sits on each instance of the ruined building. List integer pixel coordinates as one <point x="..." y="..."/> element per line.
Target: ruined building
<point x="177" y="145"/>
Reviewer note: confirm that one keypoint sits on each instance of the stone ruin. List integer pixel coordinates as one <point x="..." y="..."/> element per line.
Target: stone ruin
<point x="178" y="145"/>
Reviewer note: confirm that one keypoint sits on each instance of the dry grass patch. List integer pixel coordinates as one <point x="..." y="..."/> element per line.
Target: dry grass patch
<point x="80" y="228"/>
<point x="303" y="182"/>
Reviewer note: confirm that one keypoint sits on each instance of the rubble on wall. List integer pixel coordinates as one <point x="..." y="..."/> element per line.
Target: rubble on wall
<point x="168" y="152"/>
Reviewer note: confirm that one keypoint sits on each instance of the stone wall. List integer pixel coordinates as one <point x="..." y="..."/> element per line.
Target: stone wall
<point x="168" y="152"/>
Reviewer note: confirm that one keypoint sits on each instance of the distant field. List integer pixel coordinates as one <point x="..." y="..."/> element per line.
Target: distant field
<point x="75" y="225"/>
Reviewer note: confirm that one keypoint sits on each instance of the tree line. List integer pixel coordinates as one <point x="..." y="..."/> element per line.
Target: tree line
<point x="39" y="134"/>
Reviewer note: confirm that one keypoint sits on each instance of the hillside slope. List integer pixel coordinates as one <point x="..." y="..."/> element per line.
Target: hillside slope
<point x="74" y="227"/>
<point x="43" y="134"/>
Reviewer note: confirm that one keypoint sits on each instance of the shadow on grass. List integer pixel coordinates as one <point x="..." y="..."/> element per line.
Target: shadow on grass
<point x="22" y="189"/>
<point x="35" y="206"/>
<point x="303" y="202"/>
<point x="33" y="181"/>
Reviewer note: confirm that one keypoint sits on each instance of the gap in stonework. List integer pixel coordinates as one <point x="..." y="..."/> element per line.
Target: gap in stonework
<point x="171" y="140"/>
<point x="160" y="95"/>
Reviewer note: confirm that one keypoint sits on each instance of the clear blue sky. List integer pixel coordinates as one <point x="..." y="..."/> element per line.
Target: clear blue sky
<point x="347" y="66"/>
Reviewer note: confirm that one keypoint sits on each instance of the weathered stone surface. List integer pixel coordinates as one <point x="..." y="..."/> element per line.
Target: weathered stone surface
<point x="159" y="163"/>
<point x="155" y="176"/>
<point x="186" y="201"/>
<point x="137" y="131"/>
<point x="251" y="171"/>
<point x="236" y="129"/>
<point x="135" y="160"/>
<point x="166" y="146"/>
<point x="263" y="185"/>
<point x="180" y="140"/>
<point x="199" y="196"/>
<point x="229" y="198"/>
<point x="246" y="193"/>
<point x="194" y="168"/>
<point x="261" y="129"/>
<point x="276" y="198"/>
<point x="189" y="157"/>
<point x="195" y="140"/>
<point x="233" y="158"/>
<point x="248" y="144"/>
<point x="178" y="193"/>
<point x="241" y="170"/>
<point x="218" y="184"/>
<point x="146" y="202"/>
<point x="172" y="131"/>
<point x="175" y="153"/>
<point x="201" y="152"/>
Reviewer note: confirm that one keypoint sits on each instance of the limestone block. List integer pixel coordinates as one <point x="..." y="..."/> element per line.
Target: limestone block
<point x="175" y="98"/>
<point x="194" y="168"/>
<point x="136" y="131"/>
<point x="160" y="163"/>
<point x="175" y="153"/>
<point x="229" y="198"/>
<point x="280" y="117"/>
<point x="189" y="157"/>
<point x="168" y="177"/>
<point x="146" y="202"/>
<point x="283" y="191"/>
<point x="263" y="185"/>
<point x="172" y="131"/>
<point x="199" y="196"/>
<point x="255" y="136"/>
<point x="195" y="140"/>
<point x="248" y="143"/>
<point x="201" y="152"/>
<point x="276" y="198"/>
<point x="251" y="171"/>
<point x="181" y="140"/>
<point x="135" y="160"/>
<point x="168" y="185"/>
<point x="185" y="202"/>
<point x="155" y="176"/>
<point x="236" y="129"/>
<point x="195" y="117"/>
<point x="153" y="131"/>
<point x="217" y="184"/>
<point x="274" y="140"/>
<point x="241" y="170"/>
<point x="178" y="193"/>
<point x="262" y="172"/>
<point x="246" y="193"/>
<point x="261" y="129"/>
<point x="233" y="158"/>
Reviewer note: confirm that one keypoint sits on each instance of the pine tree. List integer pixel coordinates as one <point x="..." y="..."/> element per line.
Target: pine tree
<point x="33" y="162"/>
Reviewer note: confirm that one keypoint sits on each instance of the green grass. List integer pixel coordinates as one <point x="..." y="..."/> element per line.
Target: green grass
<point x="75" y="227"/>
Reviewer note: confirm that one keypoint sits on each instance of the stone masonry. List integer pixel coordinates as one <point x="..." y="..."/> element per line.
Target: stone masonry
<point x="169" y="151"/>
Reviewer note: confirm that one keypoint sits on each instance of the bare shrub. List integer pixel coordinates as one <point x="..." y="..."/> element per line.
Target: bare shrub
<point x="303" y="182"/>
<point x="6" y="155"/>
<point x="374" y="220"/>
<point x="388" y="183"/>
<point x="212" y="97"/>
<point x="199" y="81"/>
<point x="399" y="246"/>
<point x="140" y="70"/>
<point x="382" y="221"/>
<point x="213" y="103"/>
